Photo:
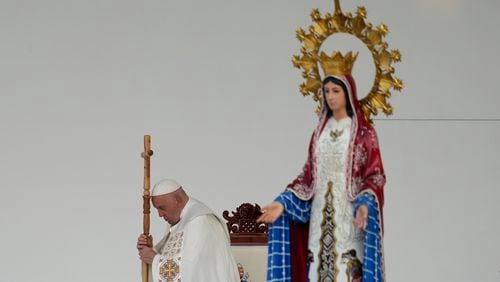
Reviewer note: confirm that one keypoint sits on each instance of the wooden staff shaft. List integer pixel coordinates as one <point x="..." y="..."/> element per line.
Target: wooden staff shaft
<point x="146" y="198"/>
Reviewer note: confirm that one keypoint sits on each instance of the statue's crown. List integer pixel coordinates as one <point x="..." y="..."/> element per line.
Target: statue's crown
<point x="337" y="64"/>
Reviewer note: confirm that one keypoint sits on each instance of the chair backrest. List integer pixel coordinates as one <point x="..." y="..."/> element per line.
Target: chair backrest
<point x="248" y="241"/>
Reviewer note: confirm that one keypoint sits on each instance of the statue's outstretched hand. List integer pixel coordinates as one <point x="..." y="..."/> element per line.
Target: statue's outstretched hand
<point x="271" y="212"/>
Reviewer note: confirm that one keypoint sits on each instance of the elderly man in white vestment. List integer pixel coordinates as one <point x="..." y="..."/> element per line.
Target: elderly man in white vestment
<point x="196" y="247"/>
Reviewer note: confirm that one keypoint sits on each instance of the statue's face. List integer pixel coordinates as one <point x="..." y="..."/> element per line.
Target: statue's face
<point x="334" y="96"/>
<point x="169" y="207"/>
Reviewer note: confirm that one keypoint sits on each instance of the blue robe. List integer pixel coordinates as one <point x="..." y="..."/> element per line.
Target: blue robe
<point x="279" y="267"/>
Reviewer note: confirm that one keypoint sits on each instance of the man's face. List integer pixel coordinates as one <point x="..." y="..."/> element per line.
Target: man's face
<point x="168" y="207"/>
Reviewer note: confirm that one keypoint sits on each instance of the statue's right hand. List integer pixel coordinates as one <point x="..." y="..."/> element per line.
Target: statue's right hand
<point x="144" y="241"/>
<point x="271" y="212"/>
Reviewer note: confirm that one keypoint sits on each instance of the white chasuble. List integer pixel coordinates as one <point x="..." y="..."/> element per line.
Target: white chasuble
<point x="196" y="249"/>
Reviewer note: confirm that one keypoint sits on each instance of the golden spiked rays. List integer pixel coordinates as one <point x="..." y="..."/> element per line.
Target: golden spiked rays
<point x="373" y="38"/>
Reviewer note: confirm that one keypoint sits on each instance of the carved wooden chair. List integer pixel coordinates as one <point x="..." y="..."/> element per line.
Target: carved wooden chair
<point x="248" y="240"/>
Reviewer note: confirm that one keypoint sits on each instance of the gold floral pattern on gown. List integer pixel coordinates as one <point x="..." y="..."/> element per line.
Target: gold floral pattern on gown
<point x="170" y="269"/>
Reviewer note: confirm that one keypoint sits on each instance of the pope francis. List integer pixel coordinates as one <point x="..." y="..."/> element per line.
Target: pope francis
<point x="196" y="247"/>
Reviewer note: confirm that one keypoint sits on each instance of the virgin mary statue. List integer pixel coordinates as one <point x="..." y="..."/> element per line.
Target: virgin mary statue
<point x="328" y="223"/>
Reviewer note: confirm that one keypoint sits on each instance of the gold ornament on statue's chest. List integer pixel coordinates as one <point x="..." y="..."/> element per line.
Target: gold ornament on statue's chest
<point x="336" y="134"/>
<point x="373" y="38"/>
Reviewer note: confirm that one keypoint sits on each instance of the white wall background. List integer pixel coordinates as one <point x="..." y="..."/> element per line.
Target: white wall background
<point x="212" y="82"/>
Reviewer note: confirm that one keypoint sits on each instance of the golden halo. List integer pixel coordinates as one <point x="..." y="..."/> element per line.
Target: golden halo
<point x="373" y="38"/>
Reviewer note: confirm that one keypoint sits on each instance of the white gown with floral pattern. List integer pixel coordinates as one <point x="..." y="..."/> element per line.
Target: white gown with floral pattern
<point x="331" y="229"/>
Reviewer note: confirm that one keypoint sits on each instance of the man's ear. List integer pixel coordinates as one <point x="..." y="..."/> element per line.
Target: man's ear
<point x="178" y="199"/>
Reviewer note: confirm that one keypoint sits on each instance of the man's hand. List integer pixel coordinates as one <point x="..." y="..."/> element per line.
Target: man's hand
<point x="361" y="219"/>
<point x="144" y="241"/>
<point x="146" y="253"/>
<point x="271" y="212"/>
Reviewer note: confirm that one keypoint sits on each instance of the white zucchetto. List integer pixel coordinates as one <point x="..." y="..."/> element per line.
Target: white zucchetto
<point x="165" y="186"/>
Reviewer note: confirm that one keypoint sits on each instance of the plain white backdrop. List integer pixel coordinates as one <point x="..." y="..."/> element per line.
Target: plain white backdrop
<point x="81" y="82"/>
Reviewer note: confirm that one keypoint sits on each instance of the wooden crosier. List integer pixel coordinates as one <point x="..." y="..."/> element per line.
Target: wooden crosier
<point x="146" y="155"/>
